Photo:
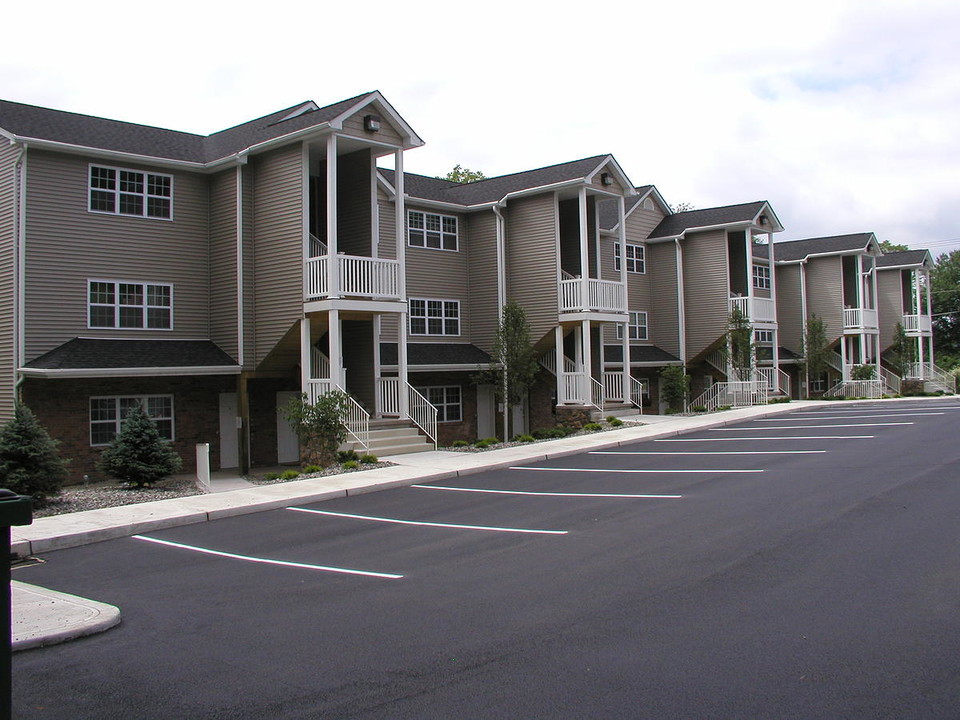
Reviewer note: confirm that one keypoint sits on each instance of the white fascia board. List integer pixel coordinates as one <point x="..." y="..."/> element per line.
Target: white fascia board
<point x="664" y="205"/>
<point x="390" y="189"/>
<point x="768" y="211"/>
<point x="618" y="171"/>
<point x="412" y="201"/>
<point x="9" y="136"/>
<point x="130" y="372"/>
<point x="376" y="98"/>
<point x="743" y="224"/>
<point x="461" y="367"/>
<point x="810" y="256"/>
<point x="535" y="191"/>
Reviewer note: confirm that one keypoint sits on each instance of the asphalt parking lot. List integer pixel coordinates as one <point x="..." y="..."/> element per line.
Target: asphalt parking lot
<point x="806" y="565"/>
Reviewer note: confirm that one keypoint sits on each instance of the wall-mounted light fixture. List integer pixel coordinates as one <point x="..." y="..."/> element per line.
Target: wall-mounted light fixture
<point x="371" y="123"/>
<point x="763" y="219"/>
<point x="605" y="179"/>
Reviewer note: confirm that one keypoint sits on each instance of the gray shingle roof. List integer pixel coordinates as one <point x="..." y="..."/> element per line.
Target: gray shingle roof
<point x="676" y="224"/>
<point x="31" y="121"/>
<point x="901" y="258"/>
<point x="494" y="189"/>
<point x="435" y="354"/>
<point x="94" y="353"/>
<point x="639" y="354"/>
<point x="799" y="249"/>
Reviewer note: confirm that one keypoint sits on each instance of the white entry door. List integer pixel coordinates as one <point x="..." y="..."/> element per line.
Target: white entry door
<point x="486" y="406"/>
<point x="229" y="451"/>
<point x="288" y="446"/>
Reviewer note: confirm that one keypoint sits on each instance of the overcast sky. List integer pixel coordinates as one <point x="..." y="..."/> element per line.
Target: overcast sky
<point x="844" y="115"/>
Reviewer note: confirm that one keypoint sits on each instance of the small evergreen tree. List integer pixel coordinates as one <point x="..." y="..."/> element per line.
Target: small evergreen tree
<point x="319" y="425"/>
<point x="902" y="352"/>
<point x="740" y="342"/>
<point x="138" y="455"/>
<point x="674" y="387"/>
<point x="29" y="462"/>
<point x="815" y="350"/>
<point x="863" y="372"/>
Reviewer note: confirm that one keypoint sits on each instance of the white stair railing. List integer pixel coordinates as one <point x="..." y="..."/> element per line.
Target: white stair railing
<point x="613" y="387"/>
<point x="549" y="361"/>
<point x="870" y="389"/>
<point x="929" y="372"/>
<point x="718" y="359"/>
<point x="319" y="364"/>
<point x="741" y="393"/>
<point x="784" y="382"/>
<point x="389" y="391"/>
<point x="356" y="420"/>
<point x="891" y="380"/>
<point x="638" y="388"/>
<point x="423" y="414"/>
<point x="597" y="394"/>
<point x="573" y="388"/>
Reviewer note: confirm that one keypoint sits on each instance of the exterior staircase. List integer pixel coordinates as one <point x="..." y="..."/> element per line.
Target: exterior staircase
<point x="392" y="437"/>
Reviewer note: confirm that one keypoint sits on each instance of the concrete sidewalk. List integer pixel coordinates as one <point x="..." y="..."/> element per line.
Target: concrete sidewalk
<point x="43" y="617"/>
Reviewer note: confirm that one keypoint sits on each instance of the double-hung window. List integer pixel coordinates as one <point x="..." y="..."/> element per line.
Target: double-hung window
<point x="636" y="262"/>
<point x="124" y="305"/>
<point x="761" y="277"/>
<point x="446" y="399"/>
<point x="107" y="415"/>
<point x="430" y="230"/>
<point x="118" y="191"/>
<point x="637" y="326"/>
<point x="434" y="317"/>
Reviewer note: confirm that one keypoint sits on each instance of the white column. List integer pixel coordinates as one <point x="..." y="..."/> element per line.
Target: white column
<point x="336" y="349"/>
<point x="561" y="371"/>
<point x="305" y="355"/>
<point x="845" y="375"/>
<point x="587" y="360"/>
<point x="333" y="266"/>
<point x="584" y="254"/>
<point x="402" y="367"/>
<point x="401" y="222"/>
<point x="748" y="236"/>
<point x="377" y="371"/>
<point x="930" y="315"/>
<point x="623" y="279"/>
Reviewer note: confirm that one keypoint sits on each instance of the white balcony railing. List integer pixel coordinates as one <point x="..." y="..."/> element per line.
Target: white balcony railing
<point x="859" y="319"/>
<point x="602" y="296"/>
<point x="917" y="324"/>
<point x="356" y="276"/>
<point x="755" y="309"/>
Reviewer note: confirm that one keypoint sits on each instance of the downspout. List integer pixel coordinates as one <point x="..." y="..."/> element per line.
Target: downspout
<point x="681" y="310"/>
<point x="19" y="217"/>
<point x="803" y="324"/>
<point x="243" y="403"/>
<point x="501" y="301"/>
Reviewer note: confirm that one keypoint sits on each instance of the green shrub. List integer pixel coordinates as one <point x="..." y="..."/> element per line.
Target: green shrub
<point x="863" y="372"/>
<point x="593" y="427"/>
<point x="459" y="443"/>
<point x="551" y="433"/>
<point x="312" y="469"/>
<point x="611" y="418"/>
<point x="492" y="440"/>
<point x="351" y="465"/>
<point x="29" y="463"/>
<point x="523" y="438"/>
<point x="319" y="425"/>
<point x="368" y="459"/>
<point x="347" y="455"/>
<point x="615" y="421"/>
<point x="289" y="475"/>
<point x="482" y="444"/>
<point x="272" y="476"/>
<point x="699" y="408"/>
<point x="777" y="401"/>
<point x="138" y="455"/>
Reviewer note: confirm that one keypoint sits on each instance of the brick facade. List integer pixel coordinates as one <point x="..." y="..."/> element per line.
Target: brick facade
<point x="466" y="429"/>
<point x="63" y="407"/>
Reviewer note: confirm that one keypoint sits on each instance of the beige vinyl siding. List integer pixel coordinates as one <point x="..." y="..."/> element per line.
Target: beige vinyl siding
<point x="8" y="242"/>
<point x="616" y="187"/>
<point x="638" y="284"/>
<point x="249" y="256"/>
<point x="664" y="312"/>
<point x="706" y="289"/>
<point x="223" y="260"/>
<point x="353" y="125"/>
<point x="889" y="305"/>
<point x="642" y="222"/>
<point x="482" y="277"/>
<point x="825" y="294"/>
<point x="354" y="236"/>
<point x="441" y="275"/>
<point x="789" y="308"/>
<point x="67" y="245"/>
<point x="278" y="245"/>
<point x="387" y="219"/>
<point x="532" y="261"/>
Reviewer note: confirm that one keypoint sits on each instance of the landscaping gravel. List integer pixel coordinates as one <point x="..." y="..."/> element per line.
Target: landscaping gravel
<point x="93" y="497"/>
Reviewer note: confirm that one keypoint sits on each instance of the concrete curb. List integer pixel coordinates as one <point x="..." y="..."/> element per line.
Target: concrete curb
<point x="83" y="528"/>
<point x="46" y="617"/>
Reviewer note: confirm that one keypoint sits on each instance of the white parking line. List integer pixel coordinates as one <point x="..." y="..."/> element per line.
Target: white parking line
<point x="706" y="452"/>
<point x="543" y="494"/>
<point x="805" y="427"/>
<point x="429" y="524"/>
<point x="842" y="417"/>
<point x="267" y="561"/>
<point x="601" y="470"/>
<point x="772" y="437"/>
<point x="888" y="410"/>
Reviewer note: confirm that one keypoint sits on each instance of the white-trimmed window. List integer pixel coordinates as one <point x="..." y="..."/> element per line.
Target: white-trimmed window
<point x="446" y="399"/>
<point x="637" y="327"/>
<point x="636" y="262"/>
<point x="763" y="337"/>
<point x="107" y="415"/>
<point x="761" y="277"/>
<point x="434" y="317"/>
<point x="118" y="191"/>
<point x="430" y="230"/>
<point x="130" y="306"/>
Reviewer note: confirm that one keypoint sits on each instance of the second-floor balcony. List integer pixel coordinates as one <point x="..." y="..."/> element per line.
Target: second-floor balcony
<point x="590" y="295"/>
<point x="917" y="325"/>
<point x="859" y="319"/>
<point x="353" y="276"/>
<point x="755" y="309"/>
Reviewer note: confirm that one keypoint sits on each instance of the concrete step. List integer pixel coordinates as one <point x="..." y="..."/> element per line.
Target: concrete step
<point x="402" y="449"/>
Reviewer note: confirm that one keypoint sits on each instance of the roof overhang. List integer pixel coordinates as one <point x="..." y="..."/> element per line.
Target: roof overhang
<point x="49" y="373"/>
<point x="872" y="247"/>
<point x="411" y="139"/>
